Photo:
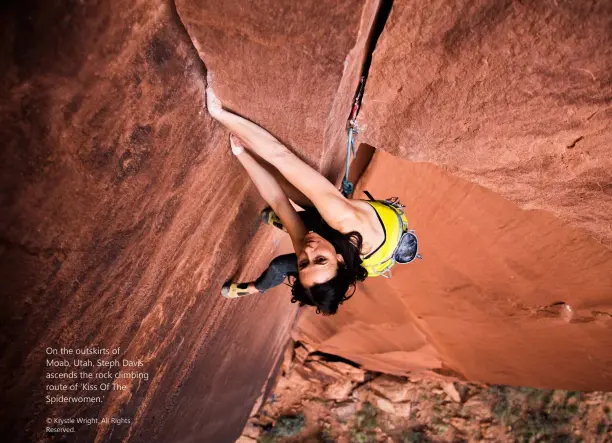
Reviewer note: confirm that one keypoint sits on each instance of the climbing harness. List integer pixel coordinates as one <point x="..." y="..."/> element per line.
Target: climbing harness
<point x="405" y="250"/>
<point x="347" y="186"/>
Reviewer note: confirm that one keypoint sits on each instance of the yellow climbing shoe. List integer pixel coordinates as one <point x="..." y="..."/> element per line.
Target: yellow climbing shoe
<point x="234" y="290"/>
<point x="269" y="217"/>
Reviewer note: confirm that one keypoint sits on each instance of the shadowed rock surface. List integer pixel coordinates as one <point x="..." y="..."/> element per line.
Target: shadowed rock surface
<point x="123" y="210"/>
<point x="514" y="96"/>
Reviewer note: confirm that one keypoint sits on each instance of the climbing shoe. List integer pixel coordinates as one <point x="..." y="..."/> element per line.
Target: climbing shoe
<point x="234" y="290"/>
<point x="269" y="217"/>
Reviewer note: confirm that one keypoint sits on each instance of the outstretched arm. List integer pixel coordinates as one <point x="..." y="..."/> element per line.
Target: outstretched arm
<point x="272" y="192"/>
<point x="335" y="209"/>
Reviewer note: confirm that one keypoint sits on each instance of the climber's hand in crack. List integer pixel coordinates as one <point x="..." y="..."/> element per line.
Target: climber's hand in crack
<point x="215" y="109"/>
<point x="236" y="144"/>
<point x="213" y="104"/>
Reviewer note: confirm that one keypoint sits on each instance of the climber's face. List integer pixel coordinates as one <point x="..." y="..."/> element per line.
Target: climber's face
<point x="318" y="261"/>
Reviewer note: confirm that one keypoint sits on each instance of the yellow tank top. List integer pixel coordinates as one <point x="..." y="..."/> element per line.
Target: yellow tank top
<point x="393" y="222"/>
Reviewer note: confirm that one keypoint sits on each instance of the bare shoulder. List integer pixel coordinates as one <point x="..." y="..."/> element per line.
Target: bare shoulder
<point x="363" y="220"/>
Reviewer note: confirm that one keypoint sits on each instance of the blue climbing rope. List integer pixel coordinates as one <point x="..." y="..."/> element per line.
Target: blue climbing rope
<point x="347" y="186"/>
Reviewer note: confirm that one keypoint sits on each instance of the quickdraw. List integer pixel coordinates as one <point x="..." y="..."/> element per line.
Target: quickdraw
<point x="347" y="186"/>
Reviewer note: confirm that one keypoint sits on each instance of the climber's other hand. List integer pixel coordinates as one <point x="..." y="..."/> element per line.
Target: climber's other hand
<point x="236" y="144"/>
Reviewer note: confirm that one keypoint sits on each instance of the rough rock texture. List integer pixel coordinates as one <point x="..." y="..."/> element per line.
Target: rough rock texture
<point x="515" y="96"/>
<point x="424" y="411"/>
<point x="292" y="68"/>
<point x="502" y="295"/>
<point x="123" y="211"/>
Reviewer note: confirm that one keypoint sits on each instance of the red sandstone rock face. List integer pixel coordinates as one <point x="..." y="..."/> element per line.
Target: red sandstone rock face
<point x="515" y="96"/>
<point x="502" y="295"/>
<point x="124" y="212"/>
<point x="292" y="68"/>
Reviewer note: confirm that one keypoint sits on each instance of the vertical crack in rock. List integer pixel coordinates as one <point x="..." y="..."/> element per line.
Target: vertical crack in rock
<point x="380" y="21"/>
<point x="357" y="64"/>
<point x="177" y="18"/>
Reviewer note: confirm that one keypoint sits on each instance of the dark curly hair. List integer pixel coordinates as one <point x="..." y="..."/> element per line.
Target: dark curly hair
<point x="326" y="297"/>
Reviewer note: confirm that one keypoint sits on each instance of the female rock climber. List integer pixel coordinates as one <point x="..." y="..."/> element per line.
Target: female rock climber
<point x="337" y="241"/>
